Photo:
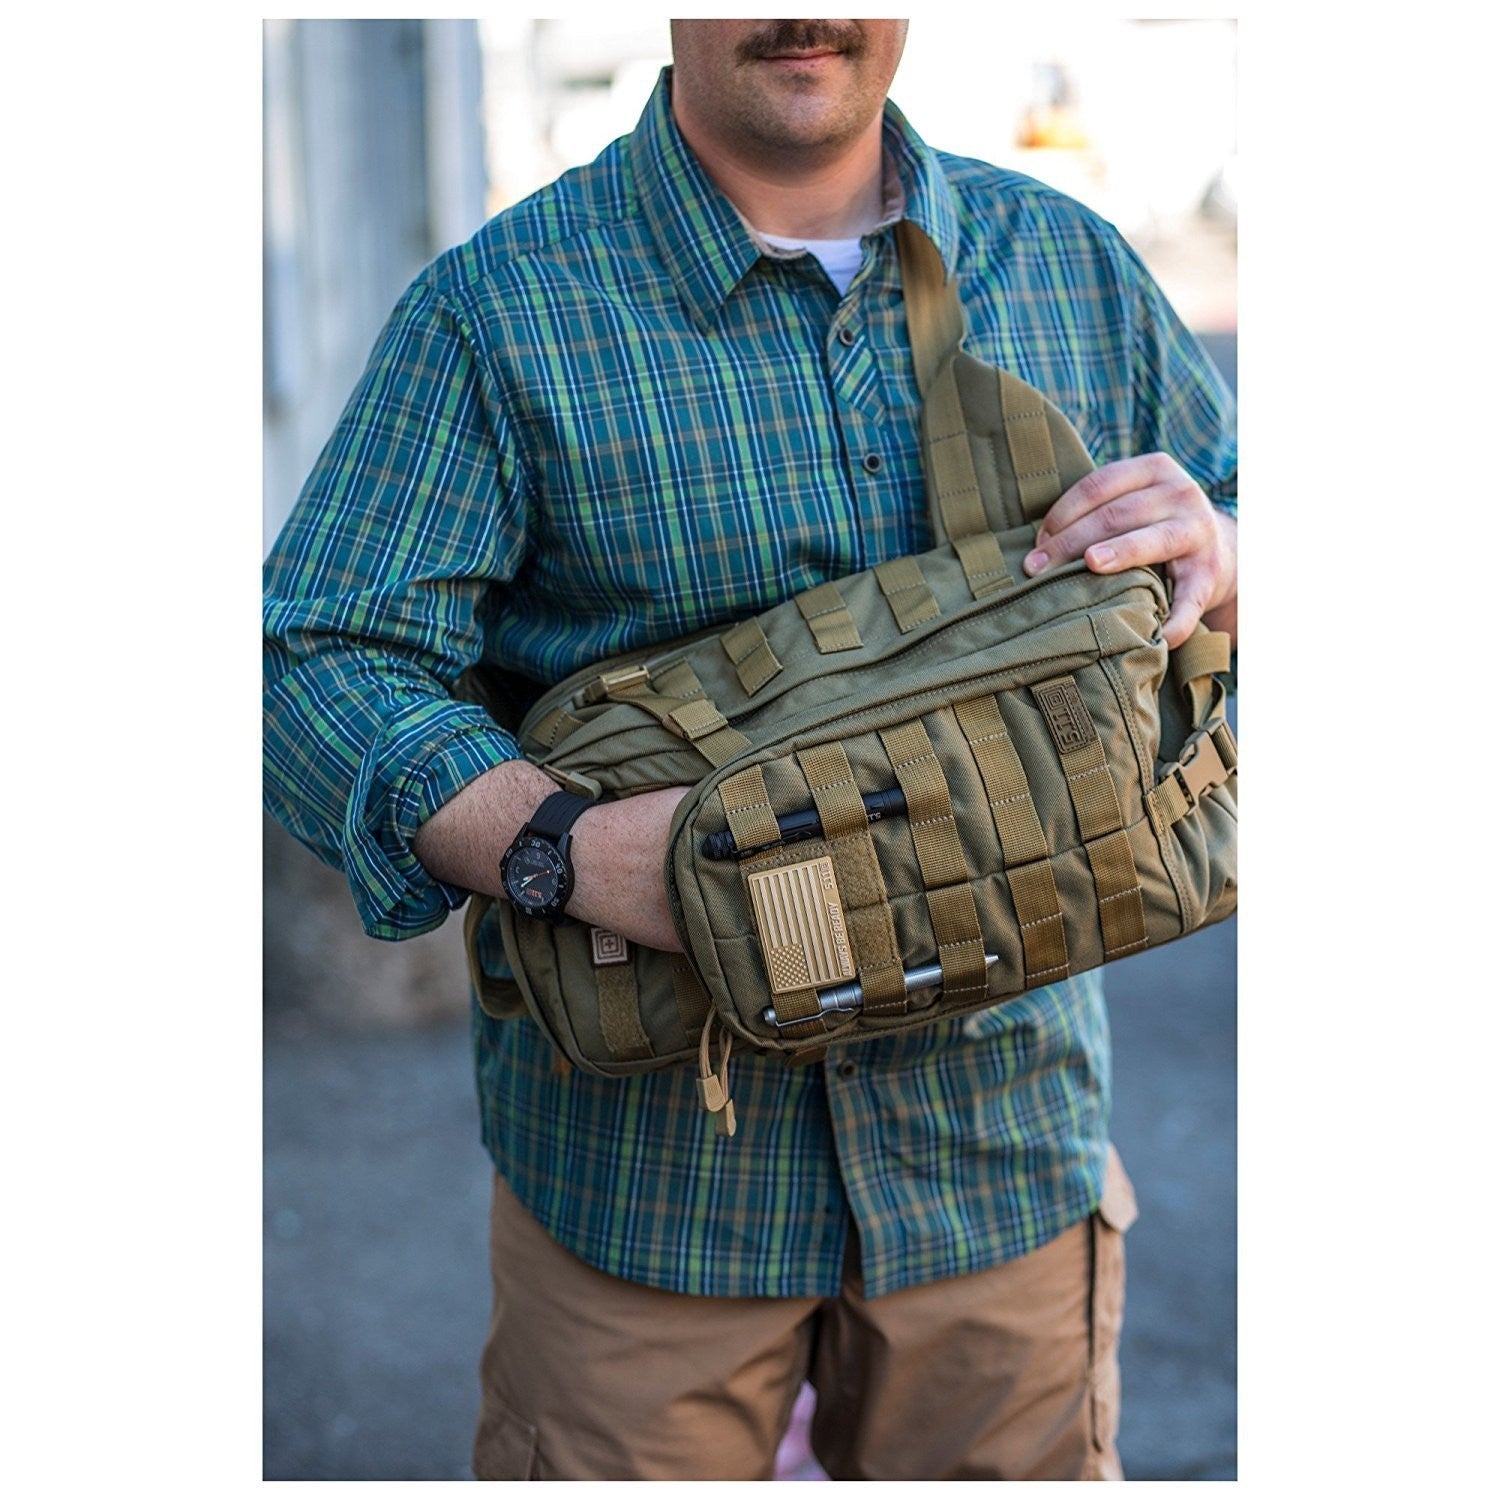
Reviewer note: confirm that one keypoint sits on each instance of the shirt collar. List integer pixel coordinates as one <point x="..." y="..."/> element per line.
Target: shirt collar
<point x="706" y="245"/>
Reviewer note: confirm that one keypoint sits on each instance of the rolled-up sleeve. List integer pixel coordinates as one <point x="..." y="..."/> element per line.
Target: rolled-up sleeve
<point x="1182" y="405"/>
<point x="413" y="520"/>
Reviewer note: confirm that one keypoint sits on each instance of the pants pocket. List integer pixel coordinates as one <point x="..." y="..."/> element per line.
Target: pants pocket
<point x="1115" y="1214"/>
<point x="504" y="1445"/>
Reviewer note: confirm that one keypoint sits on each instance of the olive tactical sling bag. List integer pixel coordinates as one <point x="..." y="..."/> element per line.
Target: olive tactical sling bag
<point x="918" y="791"/>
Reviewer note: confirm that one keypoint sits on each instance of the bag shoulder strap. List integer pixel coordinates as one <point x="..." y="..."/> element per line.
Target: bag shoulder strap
<point x="997" y="452"/>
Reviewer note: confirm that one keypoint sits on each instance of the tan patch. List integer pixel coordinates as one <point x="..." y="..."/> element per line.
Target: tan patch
<point x="1067" y="717"/>
<point x="608" y="947"/>
<point x="800" y="917"/>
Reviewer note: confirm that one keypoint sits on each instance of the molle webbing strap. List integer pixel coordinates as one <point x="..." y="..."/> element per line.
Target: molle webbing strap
<point x="754" y="662"/>
<point x="983" y="564"/>
<point x="799" y="1006"/>
<point x="675" y="698"/>
<point x="907" y="592"/>
<point x="953" y="483"/>
<point x="867" y="907"/>
<point x="497" y="997"/>
<point x="747" y="809"/>
<point x="558" y="724"/>
<point x="693" y="1004"/>
<point x="1202" y="653"/>
<point x="828" y="618"/>
<point x="1030" y="443"/>
<point x="1122" y="917"/>
<point x="945" y="872"/>
<point x="1028" y="869"/>
<point x="620" y="1013"/>
<point x="1195" y="666"/>
<point x="1209" y="757"/>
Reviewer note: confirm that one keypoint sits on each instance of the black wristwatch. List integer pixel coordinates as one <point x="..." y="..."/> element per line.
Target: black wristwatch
<point x="537" y="871"/>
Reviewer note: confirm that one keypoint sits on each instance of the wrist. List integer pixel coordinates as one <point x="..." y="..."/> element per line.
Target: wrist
<point x="536" y="871"/>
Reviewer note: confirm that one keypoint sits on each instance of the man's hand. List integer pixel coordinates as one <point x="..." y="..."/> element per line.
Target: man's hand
<point x="1146" y="510"/>
<point x="619" y="849"/>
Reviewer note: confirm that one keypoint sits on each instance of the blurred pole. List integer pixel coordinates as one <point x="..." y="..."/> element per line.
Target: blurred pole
<point x="374" y="163"/>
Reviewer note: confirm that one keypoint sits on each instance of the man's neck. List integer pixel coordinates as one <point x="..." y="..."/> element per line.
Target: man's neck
<point x="816" y="199"/>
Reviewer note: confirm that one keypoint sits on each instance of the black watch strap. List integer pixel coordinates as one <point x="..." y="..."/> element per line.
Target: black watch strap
<point x="557" y="815"/>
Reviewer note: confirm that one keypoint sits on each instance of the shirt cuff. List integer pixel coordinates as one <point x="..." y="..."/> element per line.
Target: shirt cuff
<point x="424" y="759"/>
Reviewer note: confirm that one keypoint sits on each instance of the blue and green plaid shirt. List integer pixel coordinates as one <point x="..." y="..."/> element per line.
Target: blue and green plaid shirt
<point x="611" y="419"/>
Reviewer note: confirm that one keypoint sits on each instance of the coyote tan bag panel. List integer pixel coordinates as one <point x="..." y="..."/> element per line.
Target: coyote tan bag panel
<point x="916" y="792"/>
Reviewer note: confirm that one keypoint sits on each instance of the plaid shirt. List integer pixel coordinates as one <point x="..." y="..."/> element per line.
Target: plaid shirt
<point x="612" y="419"/>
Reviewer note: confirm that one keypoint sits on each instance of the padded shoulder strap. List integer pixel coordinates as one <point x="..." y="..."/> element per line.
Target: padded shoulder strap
<point x="997" y="451"/>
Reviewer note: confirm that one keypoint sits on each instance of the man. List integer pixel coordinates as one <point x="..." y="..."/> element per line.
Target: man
<point x="669" y="391"/>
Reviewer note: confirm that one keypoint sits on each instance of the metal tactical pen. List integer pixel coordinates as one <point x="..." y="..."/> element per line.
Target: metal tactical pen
<point x="844" y="999"/>
<point x="804" y="824"/>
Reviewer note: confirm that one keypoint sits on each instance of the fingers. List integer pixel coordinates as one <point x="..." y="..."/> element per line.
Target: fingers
<point x="1133" y="531"/>
<point x="1135" y="511"/>
<point x="1107" y="483"/>
<point x="1192" y="594"/>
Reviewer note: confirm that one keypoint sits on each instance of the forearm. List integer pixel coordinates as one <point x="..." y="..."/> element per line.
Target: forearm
<point x="463" y="841"/>
<point x="618" y="849"/>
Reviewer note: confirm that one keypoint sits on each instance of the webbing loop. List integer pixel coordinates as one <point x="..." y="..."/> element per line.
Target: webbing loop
<point x="907" y="592"/>
<point x="867" y="907"/>
<point x="747" y="809"/>
<point x="1023" y="845"/>
<point x="1096" y="803"/>
<point x="620" y="1012"/>
<point x="940" y="856"/>
<point x="754" y="661"/>
<point x="1030" y="442"/>
<point x="676" y="700"/>
<point x="827" y="615"/>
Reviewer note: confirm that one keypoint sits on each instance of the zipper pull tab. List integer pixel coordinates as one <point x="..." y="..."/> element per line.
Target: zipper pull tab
<point x="713" y="1087"/>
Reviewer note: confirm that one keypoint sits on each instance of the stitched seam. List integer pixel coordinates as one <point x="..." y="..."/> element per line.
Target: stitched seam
<point x="1042" y="973"/>
<point x="1038" y="921"/>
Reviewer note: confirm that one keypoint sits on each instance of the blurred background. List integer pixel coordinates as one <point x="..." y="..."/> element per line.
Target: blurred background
<point x="385" y="142"/>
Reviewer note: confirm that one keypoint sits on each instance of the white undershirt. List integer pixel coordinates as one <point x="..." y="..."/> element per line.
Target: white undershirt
<point x="840" y="258"/>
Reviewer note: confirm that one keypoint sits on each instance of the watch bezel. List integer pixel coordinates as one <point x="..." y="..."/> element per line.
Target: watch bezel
<point x="550" y="909"/>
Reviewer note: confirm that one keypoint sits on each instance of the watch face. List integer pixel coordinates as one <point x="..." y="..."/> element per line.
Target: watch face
<point x="534" y="875"/>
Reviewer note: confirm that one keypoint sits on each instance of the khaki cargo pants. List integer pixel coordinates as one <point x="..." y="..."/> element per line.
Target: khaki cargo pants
<point x="1010" y="1373"/>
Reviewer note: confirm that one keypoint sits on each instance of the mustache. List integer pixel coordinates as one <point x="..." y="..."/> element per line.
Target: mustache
<point x="801" y="36"/>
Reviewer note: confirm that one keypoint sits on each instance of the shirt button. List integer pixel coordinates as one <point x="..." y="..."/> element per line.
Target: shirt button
<point x="846" y="336"/>
<point x="872" y="463"/>
<point x="848" y="1069"/>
